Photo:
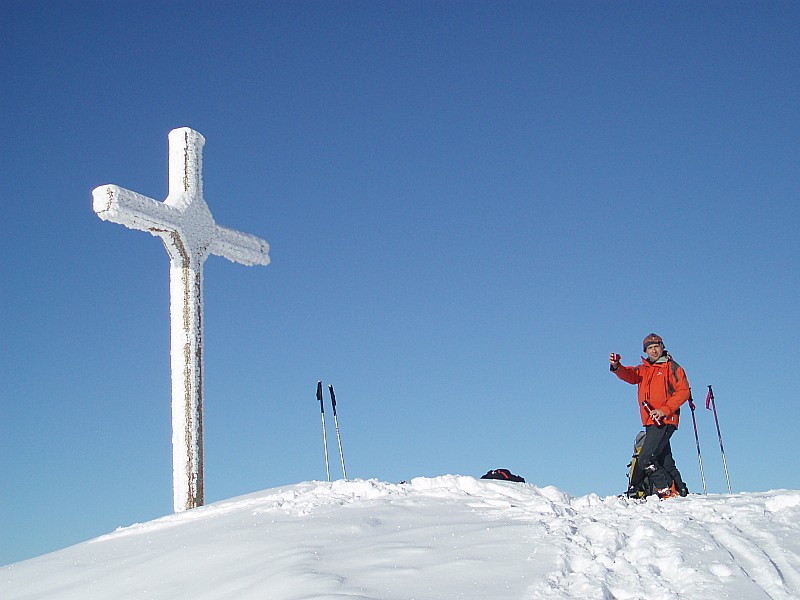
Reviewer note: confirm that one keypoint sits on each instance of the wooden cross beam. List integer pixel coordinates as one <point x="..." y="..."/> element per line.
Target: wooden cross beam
<point x="185" y="225"/>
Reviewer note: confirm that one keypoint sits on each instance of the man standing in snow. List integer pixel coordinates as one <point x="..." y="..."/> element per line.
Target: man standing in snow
<point x="663" y="388"/>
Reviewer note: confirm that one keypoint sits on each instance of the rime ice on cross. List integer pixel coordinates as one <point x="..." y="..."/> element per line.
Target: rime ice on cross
<point x="190" y="235"/>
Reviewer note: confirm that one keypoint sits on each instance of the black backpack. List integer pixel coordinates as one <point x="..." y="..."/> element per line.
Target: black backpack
<point x="645" y="488"/>
<point x="503" y="474"/>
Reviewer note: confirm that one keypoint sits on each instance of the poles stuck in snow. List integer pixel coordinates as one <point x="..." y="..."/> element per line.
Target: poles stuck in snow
<point x="336" y="422"/>
<point x="697" y="440"/>
<point x="710" y="400"/>
<point x="324" y="431"/>
<point x="324" y="436"/>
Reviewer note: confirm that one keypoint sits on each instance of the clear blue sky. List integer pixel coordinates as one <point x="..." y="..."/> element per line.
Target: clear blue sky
<point x="469" y="205"/>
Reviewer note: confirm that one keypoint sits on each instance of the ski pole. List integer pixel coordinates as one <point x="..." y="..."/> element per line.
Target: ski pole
<point x="710" y="399"/>
<point x="336" y="422"/>
<point x="324" y="437"/>
<point x="697" y="440"/>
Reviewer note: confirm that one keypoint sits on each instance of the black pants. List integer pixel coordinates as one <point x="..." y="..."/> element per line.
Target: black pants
<point x="655" y="459"/>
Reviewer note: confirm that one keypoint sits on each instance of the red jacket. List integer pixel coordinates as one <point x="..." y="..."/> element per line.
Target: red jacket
<point x="662" y="384"/>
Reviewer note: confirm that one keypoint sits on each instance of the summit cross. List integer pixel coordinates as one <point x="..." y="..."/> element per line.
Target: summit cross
<point x="190" y="234"/>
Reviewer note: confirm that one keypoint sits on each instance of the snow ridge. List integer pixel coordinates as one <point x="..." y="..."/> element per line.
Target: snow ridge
<point x="443" y="537"/>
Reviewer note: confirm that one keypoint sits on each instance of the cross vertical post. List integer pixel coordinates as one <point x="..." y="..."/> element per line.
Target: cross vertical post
<point x="190" y="234"/>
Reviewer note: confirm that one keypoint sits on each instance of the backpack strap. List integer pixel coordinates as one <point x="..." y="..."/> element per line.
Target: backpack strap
<point x="673" y="380"/>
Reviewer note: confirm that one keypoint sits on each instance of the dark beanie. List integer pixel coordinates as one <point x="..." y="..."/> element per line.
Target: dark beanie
<point x="650" y="340"/>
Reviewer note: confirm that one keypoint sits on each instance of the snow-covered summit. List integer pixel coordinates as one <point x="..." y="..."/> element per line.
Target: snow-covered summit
<point x="443" y="537"/>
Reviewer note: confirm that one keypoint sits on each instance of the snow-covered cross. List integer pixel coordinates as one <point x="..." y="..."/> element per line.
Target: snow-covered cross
<point x="190" y="235"/>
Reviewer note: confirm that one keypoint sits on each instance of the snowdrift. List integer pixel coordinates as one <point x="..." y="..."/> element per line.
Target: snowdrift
<point x="434" y="538"/>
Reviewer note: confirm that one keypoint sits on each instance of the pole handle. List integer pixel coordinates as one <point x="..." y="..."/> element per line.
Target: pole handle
<point x="333" y="397"/>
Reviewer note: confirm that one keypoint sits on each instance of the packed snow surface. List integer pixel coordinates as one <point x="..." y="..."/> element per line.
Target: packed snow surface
<point x="434" y="538"/>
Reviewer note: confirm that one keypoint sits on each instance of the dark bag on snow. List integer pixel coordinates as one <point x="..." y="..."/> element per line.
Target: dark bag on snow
<point x="504" y="474"/>
<point x="644" y="488"/>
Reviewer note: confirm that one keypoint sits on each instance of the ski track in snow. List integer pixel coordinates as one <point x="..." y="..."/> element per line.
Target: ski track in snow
<point x="443" y="537"/>
<point x="713" y="546"/>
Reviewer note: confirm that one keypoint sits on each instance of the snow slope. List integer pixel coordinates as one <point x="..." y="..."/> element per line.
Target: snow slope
<point x="443" y="537"/>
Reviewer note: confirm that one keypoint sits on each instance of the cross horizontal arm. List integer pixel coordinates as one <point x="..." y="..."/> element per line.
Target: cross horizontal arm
<point x="239" y="247"/>
<point x="135" y="211"/>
